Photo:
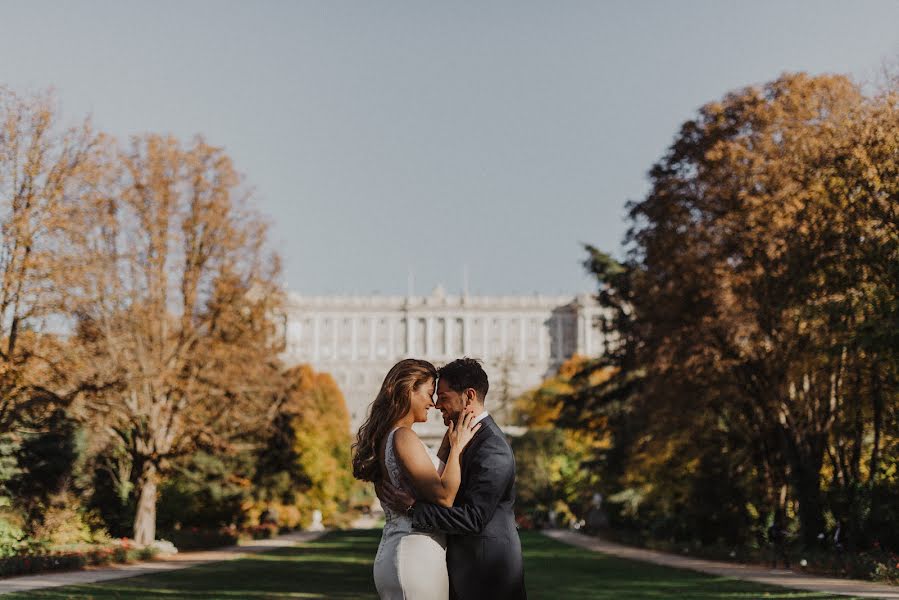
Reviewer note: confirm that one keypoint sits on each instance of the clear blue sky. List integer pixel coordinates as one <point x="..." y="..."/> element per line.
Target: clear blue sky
<point x="384" y="136"/>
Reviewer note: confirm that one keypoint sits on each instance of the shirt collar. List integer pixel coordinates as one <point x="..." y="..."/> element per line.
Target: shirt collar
<point x="480" y="417"/>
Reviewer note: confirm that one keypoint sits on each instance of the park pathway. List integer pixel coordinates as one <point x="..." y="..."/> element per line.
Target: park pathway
<point x="755" y="573"/>
<point x="182" y="560"/>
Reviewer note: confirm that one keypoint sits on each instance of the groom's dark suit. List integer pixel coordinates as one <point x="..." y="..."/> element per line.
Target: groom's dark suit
<point x="483" y="553"/>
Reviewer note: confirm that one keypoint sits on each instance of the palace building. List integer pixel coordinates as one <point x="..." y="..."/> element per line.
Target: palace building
<point x="519" y="339"/>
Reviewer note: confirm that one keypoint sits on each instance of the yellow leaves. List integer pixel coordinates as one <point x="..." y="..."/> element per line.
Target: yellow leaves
<point x="322" y="440"/>
<point x="570" y="367"/>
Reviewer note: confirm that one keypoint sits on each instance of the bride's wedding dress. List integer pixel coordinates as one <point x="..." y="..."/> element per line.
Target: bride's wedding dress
<point x="410" y="565"/>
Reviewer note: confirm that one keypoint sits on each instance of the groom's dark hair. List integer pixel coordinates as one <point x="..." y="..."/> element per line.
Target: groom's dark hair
<point x="464" y="373"/>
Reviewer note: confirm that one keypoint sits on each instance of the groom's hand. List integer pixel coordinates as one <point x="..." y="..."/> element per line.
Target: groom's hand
<point x="393" y="497"/>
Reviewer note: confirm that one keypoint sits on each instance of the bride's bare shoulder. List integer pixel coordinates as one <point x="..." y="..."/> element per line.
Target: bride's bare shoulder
<point x="404" y="435"/>
<point x="406" y="440"/>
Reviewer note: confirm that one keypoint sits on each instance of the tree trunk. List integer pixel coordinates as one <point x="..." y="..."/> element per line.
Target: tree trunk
<point x="877" y="406"/>
<point x="807" y="484"/>
<point x="145" y="521"/>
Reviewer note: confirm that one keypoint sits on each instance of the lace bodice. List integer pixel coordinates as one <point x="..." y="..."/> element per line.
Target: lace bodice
<point x="396" y="475"/>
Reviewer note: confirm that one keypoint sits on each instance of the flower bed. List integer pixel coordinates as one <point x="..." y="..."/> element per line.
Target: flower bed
<point x="73" y="557"/>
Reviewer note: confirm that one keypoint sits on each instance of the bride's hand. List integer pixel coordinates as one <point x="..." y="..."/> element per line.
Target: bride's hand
<point x="461" y="432"/>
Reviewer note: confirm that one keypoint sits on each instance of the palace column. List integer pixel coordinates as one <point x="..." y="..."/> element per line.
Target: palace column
<point x="410" y="325"/>
<point x="522" y="343"/>
<point x="391" y="337"/>
<point x="316" y="334"/>
<point x="504" y="335"/>
<point x="466" y="335"/>
<point x="450" y="323"/>
<point x="429" y="336"/>
<point x="334" y="330"/>
<point x="542" y="339"/>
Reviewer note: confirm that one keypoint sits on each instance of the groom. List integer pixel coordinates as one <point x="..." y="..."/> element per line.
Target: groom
<point x="483" y="553"/>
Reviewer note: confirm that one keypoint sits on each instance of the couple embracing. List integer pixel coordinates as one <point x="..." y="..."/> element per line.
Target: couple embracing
<point x="450" y="530"/>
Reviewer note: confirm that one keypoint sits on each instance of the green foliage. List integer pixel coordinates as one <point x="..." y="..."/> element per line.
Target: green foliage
<point x="278" y="477"/>
<point x="46" y="458"/>
<point x="112" y="488"/>
<point x="206" y="491"/>
<point x="9" y="467"/>
<point x="11" y="538"/>
<point x="551" y="476"/>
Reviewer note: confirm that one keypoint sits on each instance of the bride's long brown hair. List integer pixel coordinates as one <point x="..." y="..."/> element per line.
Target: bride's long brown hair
<point x="390" y="405"/>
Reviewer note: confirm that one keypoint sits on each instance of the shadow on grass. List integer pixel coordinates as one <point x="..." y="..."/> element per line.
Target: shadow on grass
<point x="339" y="566"/>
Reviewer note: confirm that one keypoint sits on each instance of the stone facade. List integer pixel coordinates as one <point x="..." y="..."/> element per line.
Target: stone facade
<point x="519" y="339"/>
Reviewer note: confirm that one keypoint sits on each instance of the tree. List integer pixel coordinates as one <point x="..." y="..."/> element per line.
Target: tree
<point x="321" y="428"/>
<point x="175" y="308"/>
<point x="44" y="170"/>
<point x="553" y="471"/>
<point x="761" y="263"/>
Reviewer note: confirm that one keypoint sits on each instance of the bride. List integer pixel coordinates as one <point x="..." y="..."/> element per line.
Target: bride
<point x="409" y="564"/>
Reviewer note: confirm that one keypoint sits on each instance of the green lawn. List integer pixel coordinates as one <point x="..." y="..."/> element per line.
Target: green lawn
<point x="339" y="566"/>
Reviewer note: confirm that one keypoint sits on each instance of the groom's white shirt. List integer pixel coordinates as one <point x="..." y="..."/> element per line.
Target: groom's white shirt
<point x="480" y="417"/>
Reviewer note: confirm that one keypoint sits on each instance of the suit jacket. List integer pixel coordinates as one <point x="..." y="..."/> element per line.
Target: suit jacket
<point x="483" y="553"/>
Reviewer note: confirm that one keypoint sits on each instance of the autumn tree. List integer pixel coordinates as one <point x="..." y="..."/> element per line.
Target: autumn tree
<point x="305" y="465"/>
<point x="44" y="169"/>
<point x="175" y="306"/>
<point x="757" y="306"/>
<point x="554" y="464"/>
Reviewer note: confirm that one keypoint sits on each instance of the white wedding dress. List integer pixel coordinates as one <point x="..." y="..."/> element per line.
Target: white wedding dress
<point x="410" y="565"/>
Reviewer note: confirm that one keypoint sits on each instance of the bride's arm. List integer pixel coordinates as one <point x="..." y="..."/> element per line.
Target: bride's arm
<point x="430" y="485"/>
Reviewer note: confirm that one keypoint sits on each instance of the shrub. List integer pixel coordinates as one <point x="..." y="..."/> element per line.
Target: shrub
<point x="11" y="538"/>
<point x="63" y="524"/>
<point x="196" y="538"/>
<point x="263" y="531"/>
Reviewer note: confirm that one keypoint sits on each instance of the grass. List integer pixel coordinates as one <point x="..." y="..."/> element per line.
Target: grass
<point x="339" y="566"/>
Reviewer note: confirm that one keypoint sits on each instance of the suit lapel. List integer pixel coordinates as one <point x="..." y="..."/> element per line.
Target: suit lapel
<point x="479" y="436"/>
<point x="486" y="430"/>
